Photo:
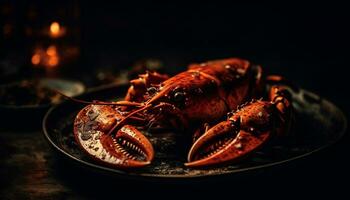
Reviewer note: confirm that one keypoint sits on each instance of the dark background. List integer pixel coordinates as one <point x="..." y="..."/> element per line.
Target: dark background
<point x="308" y="44"/>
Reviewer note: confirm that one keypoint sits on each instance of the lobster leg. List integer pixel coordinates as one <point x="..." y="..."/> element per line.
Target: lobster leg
<point x="127" y="148"/>
<point x="141" y="86"/>
<point x="246" y="130"/>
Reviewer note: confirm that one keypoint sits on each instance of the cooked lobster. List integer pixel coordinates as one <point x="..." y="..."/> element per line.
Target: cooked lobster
<point x="196" y="100"/>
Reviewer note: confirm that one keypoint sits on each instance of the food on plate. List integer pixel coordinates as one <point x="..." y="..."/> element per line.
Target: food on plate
<point x="228" y="106"/>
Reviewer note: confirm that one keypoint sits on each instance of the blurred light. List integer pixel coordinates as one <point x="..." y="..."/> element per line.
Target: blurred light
<point x="53" y="61"/>
<point x="55" y="28"/>
<point x="47" y="58"/>
<point x="36" y="58"/>
<point x="51" y="51"/>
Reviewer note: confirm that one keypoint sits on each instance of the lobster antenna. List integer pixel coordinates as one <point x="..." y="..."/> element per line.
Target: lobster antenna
<point x="121" y="123"/>
<point x="118" y="103"/>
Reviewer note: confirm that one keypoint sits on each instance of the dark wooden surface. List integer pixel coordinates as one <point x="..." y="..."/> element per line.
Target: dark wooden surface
<point x="26" y="169"/>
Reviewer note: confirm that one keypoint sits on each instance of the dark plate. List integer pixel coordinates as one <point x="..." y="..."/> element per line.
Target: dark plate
<point x="318" y="124"/>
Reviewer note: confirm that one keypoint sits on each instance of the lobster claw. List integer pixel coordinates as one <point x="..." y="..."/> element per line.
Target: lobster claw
<point x="247" y="129"/>
<point x="224" y="143"/>
<point x="127" y="148"/>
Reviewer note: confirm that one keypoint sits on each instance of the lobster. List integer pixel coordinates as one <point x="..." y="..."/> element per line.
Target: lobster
<point x="196" y="100"/>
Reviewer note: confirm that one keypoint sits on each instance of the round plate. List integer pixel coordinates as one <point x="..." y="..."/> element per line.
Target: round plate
<point x="318" y="123"/>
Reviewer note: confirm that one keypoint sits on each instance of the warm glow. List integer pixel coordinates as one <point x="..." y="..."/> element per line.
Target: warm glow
<point x="53" y="61"/>
<point x="55" y="28"/>
<point x="47" y="58"/>
<point x="51" y="50"/>
<point x="36" y="59"/>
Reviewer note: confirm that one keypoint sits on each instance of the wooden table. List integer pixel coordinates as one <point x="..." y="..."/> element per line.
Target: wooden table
<point x="27" y="169"/>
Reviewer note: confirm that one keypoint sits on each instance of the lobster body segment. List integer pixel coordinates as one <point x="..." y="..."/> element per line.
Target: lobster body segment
<point x="207" y="91"/>
<point x="201" y="95"/>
